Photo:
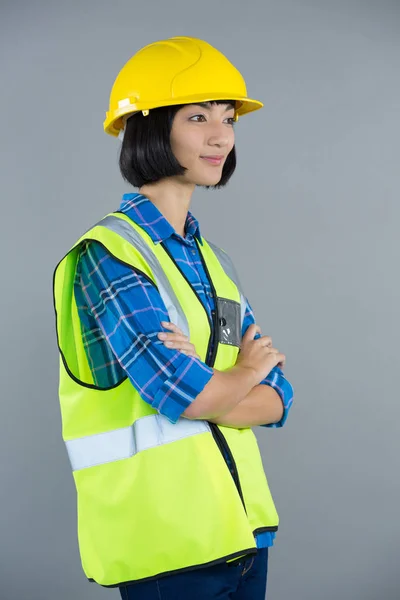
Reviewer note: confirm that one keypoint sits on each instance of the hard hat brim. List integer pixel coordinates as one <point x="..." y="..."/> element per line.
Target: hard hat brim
<point x="115" y="120"/>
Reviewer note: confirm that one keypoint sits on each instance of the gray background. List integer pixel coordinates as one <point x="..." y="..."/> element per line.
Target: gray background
<point x="310" y="219"/>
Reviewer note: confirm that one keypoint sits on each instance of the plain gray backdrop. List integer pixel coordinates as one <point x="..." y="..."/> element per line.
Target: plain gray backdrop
<point x="310" y="218"/>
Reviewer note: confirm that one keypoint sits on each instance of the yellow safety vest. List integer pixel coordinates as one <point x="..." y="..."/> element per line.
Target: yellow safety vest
<point x="155" y="498"/>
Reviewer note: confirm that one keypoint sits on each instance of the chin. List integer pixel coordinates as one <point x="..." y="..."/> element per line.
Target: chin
<point x="204" y="180"/>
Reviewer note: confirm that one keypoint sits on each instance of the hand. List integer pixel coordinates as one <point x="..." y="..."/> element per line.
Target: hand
<point x="176" y="339"/>
<point x="280" y="364"/>
<point x="258" y="355"/>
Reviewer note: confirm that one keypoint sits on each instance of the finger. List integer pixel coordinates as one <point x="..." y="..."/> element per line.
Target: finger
<point x="188" y="353"/>
<point x="273" y="350"/>
<point x="192" y="352"/>
<point x="265" y="340"/>
<point x="252" y="330"/>
<point x="170" y="325"/>
<point x="172" y="337"/>
<point x="180" y="345"/>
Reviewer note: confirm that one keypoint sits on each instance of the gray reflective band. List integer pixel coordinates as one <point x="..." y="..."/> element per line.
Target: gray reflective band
<point x="129" y="233"/>
<point x="230" y="270"/>
<point x="170" y="300"/>
<point x="145" y="433"/>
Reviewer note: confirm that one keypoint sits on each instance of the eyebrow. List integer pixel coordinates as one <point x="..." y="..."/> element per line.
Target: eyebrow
<point x="208" y="105"/>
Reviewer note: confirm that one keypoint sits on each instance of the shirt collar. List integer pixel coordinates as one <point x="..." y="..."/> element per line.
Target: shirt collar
<point x="146" y="214"/>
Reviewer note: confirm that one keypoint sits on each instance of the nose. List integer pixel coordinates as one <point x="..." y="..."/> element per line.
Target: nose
<point x="219" y="136"/>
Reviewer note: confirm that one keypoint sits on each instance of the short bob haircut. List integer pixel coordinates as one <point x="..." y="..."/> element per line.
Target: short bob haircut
<point x="146" y="155"/>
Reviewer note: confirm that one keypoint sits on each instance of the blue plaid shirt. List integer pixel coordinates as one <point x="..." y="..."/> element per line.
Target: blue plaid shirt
<point x="121" y="312"/>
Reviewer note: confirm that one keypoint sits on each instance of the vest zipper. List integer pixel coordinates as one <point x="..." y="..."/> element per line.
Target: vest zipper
<point x="217" y="434"/>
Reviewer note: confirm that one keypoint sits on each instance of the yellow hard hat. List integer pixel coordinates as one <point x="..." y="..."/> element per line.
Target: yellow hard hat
<point x="179" y="70"/>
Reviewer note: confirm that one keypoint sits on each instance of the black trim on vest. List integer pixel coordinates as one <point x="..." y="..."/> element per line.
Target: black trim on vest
<point x="82" y="383"/>
<point x="248" y="552"/>
<point x="264" y="529"/>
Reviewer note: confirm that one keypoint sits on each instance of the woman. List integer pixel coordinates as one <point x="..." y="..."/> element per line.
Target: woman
<point x="163" y="370"/>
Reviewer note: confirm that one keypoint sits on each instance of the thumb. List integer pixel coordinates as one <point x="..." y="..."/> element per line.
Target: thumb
<point x="251" y="331"/>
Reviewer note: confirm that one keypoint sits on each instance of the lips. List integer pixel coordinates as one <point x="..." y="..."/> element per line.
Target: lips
<point x="214" y="160"/>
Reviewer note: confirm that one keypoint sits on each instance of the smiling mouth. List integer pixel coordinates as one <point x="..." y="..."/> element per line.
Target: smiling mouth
<point x="212" y="160"/>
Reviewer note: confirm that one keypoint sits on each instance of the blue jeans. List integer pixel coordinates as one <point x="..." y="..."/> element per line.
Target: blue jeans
<point x="245" y="580"/>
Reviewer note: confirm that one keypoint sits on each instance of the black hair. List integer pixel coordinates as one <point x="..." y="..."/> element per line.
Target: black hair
<point x="146" y="155"/>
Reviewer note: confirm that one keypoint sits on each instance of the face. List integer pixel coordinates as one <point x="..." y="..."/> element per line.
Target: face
<point x="199" y="132"/>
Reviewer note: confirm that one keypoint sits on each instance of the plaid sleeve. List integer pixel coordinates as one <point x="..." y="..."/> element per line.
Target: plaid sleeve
<point x="126" y="311"/>
<point x="275" y="377"/>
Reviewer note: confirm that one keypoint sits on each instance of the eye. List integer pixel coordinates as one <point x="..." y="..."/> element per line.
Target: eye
<point x="231" y="119"/>
<point x="195" y="116"/>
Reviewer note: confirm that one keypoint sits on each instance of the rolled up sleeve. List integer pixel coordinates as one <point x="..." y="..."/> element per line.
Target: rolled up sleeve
<point x="282" y="386"/>
<point x="180" y="389"/>
<point x="275" y="378"/>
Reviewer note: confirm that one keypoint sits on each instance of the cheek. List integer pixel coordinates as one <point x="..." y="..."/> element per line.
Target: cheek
<point x="232" y="140"/>
<point x="186" y="147"/>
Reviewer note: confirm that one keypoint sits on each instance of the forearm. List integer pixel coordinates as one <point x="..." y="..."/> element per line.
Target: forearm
<point x="222" y="393"/>
<point x="261" y="406"/>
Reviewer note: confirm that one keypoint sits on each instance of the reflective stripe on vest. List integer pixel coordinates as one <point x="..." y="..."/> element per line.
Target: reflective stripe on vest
<point x="129" y="233"/>
<point x="146" y="432"/>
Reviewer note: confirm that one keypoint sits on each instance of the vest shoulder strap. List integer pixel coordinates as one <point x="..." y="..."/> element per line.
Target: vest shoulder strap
<point x="230" y="270"/>
<point x="127" y="231"/>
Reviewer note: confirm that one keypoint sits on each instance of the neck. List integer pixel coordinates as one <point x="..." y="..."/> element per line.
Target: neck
<point x="172" y="199"/>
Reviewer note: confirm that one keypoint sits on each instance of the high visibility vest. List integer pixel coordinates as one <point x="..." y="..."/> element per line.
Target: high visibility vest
<point x="155" y="498"/>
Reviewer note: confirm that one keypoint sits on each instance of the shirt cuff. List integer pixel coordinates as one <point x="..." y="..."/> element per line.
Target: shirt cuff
<point x="182" y="388"/>
<point x="281" y="385"/>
